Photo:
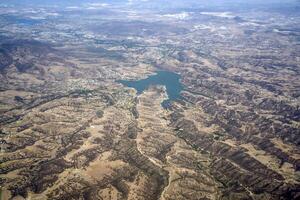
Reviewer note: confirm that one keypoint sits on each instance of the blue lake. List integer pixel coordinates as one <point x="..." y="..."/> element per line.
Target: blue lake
<point x="169" y="79"/>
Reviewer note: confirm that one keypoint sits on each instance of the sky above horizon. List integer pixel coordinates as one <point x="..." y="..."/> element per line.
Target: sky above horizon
<point x="148" y="1"/>
<point x="212" y="5"/>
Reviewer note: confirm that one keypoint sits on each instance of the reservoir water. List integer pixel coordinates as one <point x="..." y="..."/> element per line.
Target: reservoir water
<point x="169" y="79"/>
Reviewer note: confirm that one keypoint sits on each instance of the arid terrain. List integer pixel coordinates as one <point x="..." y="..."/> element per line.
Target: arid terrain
<point x="69" y="130"/>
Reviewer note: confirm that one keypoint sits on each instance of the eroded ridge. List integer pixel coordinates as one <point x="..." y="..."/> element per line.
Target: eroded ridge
<point x="242" y="167"/>
<point x="188" y="178"/>
<point x="90" y="153"/>
<point x="70" y="130"/>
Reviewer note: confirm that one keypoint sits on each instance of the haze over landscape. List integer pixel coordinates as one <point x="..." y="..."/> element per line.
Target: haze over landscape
<point x="149" y="100"/>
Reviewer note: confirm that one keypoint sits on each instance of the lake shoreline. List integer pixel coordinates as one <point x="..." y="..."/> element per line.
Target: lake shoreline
<point x="170" y="80"/>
